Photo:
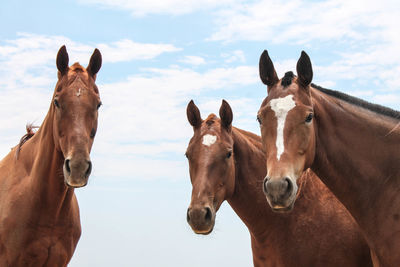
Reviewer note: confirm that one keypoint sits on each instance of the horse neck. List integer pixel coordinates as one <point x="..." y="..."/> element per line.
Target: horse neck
<point x="248" y="200"/>
<point x="43" y="164"/>
<point x="356" y="155"/>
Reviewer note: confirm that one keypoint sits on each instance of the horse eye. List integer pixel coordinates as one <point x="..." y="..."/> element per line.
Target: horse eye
<point x="258" y="119"/>
<point x="309" y="118"/>
<point x="229" y="154"/>
<point x="92" y="133"/>
<point x="99" y="105"/>
<point x="56" y="103"/>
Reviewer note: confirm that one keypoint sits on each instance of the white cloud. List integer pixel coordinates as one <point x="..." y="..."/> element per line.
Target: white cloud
<point x="127" y="50"/>
<point x="365" y="33"/>
<point x="174" y="7"/>
<point x="28" y="74"/>
<point x="142" y="122"/>
<point x="193" y="60"/>
<point x="301" y="21"/>
<point x="30" y="51"/>
<point x="234" y="56"/>
<point x="156" y="101"/>
<point x="387" y="98"/>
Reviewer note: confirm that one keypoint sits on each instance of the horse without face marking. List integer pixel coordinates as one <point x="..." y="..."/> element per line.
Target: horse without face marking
<point x="281" y="107"/>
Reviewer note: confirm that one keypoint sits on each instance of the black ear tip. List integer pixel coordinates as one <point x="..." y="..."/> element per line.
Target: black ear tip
<point x="225" y="113"/>
<point x="97" y="52"/>
<point x="225" y="106"/>
<point x="62" y="60"/>
<point x="62" y="50"/>
<point x="95" y="62"/>
<point x="191" y="105"/>
<point x="265" y="54"/>
<point x="304" y="54"/>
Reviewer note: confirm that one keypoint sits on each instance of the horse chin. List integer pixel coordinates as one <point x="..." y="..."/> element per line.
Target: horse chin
<point x="282" y="207"/>
<point x="204" y="232"/>
<point x="75" y="183"/>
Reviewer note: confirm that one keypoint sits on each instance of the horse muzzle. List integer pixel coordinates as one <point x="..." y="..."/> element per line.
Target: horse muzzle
<point x="77" y="172"/>
<point x="280" y="193"/>
<point x="201" y="219"/>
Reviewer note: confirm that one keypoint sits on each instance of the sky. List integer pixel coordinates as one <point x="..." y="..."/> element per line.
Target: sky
<point x="157" y="56"/>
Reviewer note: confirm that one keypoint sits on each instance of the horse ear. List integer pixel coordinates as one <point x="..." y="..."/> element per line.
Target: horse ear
<point x="304" y="70"/>
<point x="193" y="114"/>
<point x="62" y="60"/>
<point x="267" y="71"/>
<point x="226" y="115"/>
<point x="94" y="63"/>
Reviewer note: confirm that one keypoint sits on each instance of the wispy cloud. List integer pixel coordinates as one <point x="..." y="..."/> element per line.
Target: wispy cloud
<point x="365" y="31"/>
<point x="193" y="60"/>
<point x="127" y="50"/>
<point x="234" y="56"/>
<point x="174" y="7"/>
<point x="302" y="21"/>
<point x="142" y="122"/>
<point x="144" y="117"/>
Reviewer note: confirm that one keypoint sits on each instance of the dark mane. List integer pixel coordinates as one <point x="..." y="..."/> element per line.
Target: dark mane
<point x="359" y="102"/>
<point x="26" y="137"/>
<point x="287" y="79"/>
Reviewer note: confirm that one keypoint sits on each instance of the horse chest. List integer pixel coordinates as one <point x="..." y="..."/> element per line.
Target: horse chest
<point x="40" y="246"/>
<point x="35" y="237"/>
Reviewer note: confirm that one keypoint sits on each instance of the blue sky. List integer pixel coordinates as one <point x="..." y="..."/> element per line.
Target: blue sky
<point x="157" y="55"/>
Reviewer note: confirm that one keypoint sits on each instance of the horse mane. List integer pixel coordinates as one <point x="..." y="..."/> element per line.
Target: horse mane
<point x="359" y="102"/>
<point x="287" y="79"/>
<point x="26" y="137"/>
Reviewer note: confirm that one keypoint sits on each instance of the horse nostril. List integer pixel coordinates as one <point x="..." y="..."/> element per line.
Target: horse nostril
<point x="188" y="215"/>
<point x="89" y="169"/>
<point x="67" y="167"/>
<point x="265" y="184"/>
<point x="208" y="215"/>
<point x="289" y="186"/>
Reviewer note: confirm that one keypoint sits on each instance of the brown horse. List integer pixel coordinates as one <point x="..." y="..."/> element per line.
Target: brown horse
<point x="227" y="163"/>
<point x="352" y="145"/>
<point x="39" y="214"/>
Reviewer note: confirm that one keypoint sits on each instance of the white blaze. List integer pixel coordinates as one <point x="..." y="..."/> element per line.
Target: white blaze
<point x="281" y="107"/>
<point x="209" y="139"/>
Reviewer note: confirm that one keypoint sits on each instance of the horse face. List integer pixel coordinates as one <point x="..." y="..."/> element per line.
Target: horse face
<point x="75" y="104"/>
<point x="287" y="131"/>
<point x="211" y="166"/>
